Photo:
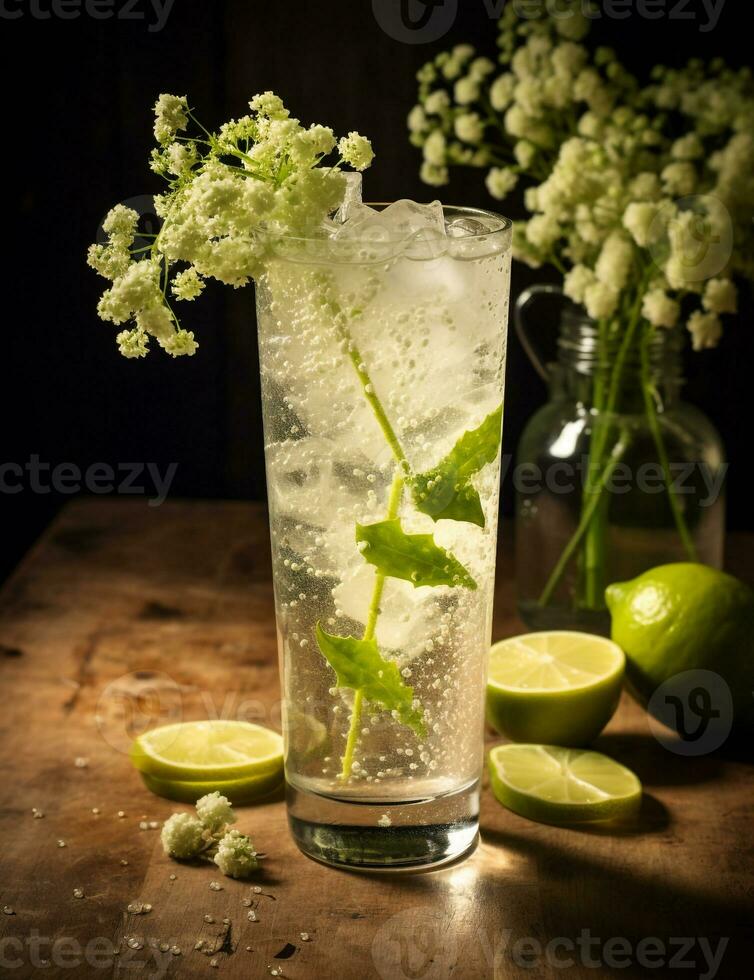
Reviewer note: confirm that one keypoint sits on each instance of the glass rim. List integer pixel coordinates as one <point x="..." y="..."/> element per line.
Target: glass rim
<point x="503" y="225"/>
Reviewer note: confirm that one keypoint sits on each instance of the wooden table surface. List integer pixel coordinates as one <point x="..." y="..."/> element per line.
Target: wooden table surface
<point x="123" y="614"/>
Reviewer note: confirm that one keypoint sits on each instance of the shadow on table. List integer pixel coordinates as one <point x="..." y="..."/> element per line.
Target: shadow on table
<point x="657" y="765"/>
<point x="654" y="764"/>
<point x="613" y="898"/>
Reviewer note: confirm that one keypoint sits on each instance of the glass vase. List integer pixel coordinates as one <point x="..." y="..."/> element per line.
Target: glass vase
<point x="615" y="474"/>
<point x="382" y="365"/>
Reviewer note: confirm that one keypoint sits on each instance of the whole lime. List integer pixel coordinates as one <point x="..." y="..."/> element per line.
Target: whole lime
<point x="684" y="617"/>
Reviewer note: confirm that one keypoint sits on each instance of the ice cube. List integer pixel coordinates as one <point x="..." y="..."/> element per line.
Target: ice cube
<point x="465" y="227"/>
<point x="407" y="217"/>
<point x="418" y="230"/>
<point x="408" y="614"/>
<point x="426" y="243"/>
<point x="351" y="198"/>
<point x="474" y="238"/>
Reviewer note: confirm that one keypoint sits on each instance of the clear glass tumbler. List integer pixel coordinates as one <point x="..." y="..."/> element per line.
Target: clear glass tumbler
<point x="382" y="360"/>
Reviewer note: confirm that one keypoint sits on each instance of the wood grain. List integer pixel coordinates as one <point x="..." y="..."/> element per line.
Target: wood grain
<point x="124" y="615"/>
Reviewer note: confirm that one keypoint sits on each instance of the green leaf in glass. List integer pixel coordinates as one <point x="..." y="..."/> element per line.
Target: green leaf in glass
<point x="359" y="665"/>
<point x="445" y="492"/>
<point x="413" y="557"/>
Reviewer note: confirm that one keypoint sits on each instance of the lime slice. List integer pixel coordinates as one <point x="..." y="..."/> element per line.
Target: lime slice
<point x="208" y="751"/>
<point x="558" y="688"/>
<point x="236" y="790"/>
<point x="562" y="786"/>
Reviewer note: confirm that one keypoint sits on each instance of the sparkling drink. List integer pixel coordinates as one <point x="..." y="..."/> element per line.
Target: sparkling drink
<point x="382" y="352"/>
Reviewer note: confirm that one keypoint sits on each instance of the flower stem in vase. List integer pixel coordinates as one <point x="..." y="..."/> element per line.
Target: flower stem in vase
<point x="650" y="404"/>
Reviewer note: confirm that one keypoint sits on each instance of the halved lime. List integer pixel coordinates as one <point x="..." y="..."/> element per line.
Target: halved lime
<point x="558" y="687"/>
<point x="209" y="751"/>
<point x="236" y="790"/>
<point x="556" y="785"/>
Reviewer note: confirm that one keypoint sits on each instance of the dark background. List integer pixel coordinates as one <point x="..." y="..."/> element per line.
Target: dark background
<point x="77" y="126"/>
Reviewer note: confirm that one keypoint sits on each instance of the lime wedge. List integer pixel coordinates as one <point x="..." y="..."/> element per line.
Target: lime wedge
<point x="558" y="687"/>
<point x="562" y="786"/>
<point x="236" y="790"/>
<point x="209" y="752"/>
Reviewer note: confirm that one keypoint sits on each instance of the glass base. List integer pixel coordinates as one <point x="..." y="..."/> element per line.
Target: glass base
<point x="538" y="618"/>
<point x="385" y="835"/>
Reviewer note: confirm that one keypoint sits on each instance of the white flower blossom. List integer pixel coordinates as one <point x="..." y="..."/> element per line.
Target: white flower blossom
<point x="187" y="284"/>
<point x="500" y="181"/>
<point x="543" y="231"/>
<point x="171" y="116"/>
<point x="356" y="150"/>
<point x="181" y="834"/>
<point x="705" y="330"/>
<point x="679" y="178"/>
<point x="645" y="186"/>
<point x="615" y="260"/>
<point x="307" y="146"/>
<point x="517" y="123"/>
<point x="577" y="281"/>
<point x="417" y="120"/>
<point x="469" y="127"/>
<point x="436" y="102"/>
<point x="524" y="152"/>
<point x="179" y="157"/>
<point x="229" y="195"/>
<point x="660" y="309"/>
<point x="133" y="343"/>
<point x="639" y="220"/>
<point x="569" y="58"/>
<point x="214" y="811"/>
<point x="605" y="165"/>
<point x="434" y="175"/>
<point x="109" y="260"/>
<point x="480" y="68"/>
<point x="688" y="147"/>
<point x="120" y="224"/>
<point x="601" y="300"/>
<point x="157" y="321"/>
<point x="181" y="343"/>
<point x="138" y="289"/>
<point x="270" y="105"/>
<point x="501" y="92"/>
<point x="435" y="148"/>
<point x="720" y="296"/>
<point x="235" y="855"/>
<point x="466" y="90"/>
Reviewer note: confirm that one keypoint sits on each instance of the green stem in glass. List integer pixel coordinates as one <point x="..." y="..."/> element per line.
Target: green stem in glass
<point x="650" y="405"/>
<point x="592" y="504"/>
<point x="593" y="555"/>
<point x="594" y="565"/>
<point x="396" y="493"/>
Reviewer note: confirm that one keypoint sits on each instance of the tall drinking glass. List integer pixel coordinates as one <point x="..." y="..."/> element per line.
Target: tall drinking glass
<point x="382" y="358"/>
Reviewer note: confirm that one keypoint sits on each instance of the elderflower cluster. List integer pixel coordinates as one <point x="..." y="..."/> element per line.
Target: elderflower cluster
<point x="230" y="195"/>
<point x="634" y="193"/>
<point x="209" y="835"/>
<point x="235" y="855"/>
